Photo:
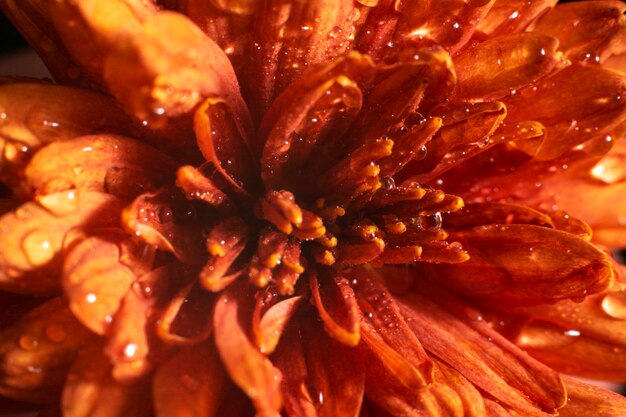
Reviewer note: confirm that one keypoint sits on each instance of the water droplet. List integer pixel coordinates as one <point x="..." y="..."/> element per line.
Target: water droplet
<point x="91" y="298"/>
<point x="28" y="342"/>
<point x="165" y="214"/>
<point x="387" y="183"/>
<point x="335" y="32"/>
<point x="130" y="350"/>
<point x="37" y="247"/>
<point x="55" y="333"/>
<point x="614" y="304"/>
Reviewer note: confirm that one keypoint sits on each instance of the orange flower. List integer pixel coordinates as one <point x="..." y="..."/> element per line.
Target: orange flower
<point x="324" y="208"/>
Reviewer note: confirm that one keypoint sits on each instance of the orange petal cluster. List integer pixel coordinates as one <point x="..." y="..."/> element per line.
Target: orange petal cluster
<point x="352" y="208"/>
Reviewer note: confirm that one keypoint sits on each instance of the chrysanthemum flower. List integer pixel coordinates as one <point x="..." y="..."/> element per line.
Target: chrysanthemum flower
<point x="315" y="208"/>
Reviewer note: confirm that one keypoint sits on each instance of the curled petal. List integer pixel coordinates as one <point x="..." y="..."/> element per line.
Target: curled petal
<point x="198" y="187"/>
<point x="494" y="68"/>
<point x="247" y="367"/>
<point x="164" y="219"/>
<point x="599" y="30"/>
<point x="337" y="84"/>
<point x="192" y="383"/>
<point x="37" y="351"/>
<point x="91" y="391"/>
<point x="104" y="163"/>
<point x="186" y="320"/>
<point x="43" y="229"/>
<point x="336" y="305"/>
<point x="525" y="264"/>
<point x="60" y="113"/>
<point x="223" y="141"/>
<point x="458" y="335"/>
<point x="225" y="243"/>
<point x="268" y="325"/>
<point x="467" y="130"/>
<point x="163" y="87"/>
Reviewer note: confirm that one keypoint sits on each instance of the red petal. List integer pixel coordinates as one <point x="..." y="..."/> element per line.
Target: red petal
<point x="584" y="399"/>
<point x="223" y="141"/>
<point x="525" y="264"/>
<point x="587" y="31"/>
<point x="190" y="384"/>
<point x="336" y="374"/>
<point x="289" y="358"/>
<point x="337" y="307"/>
<point x="269" y="327"/>
<point x="498" y="66"/>
<point x="507" y="16"/>
<point x="388" y="335"/>
<point x="460" y="338"/>
<point x="322" y="104"/>
<point x="247" y="367"/>
<point x="587" y="107"/>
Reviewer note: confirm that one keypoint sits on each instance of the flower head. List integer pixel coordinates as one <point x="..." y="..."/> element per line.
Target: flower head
<point x="328" y="208"/>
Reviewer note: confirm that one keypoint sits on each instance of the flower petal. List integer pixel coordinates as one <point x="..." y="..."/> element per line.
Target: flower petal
<point x="270" y="319"/>
<point x="166" y="220"/>
<point x="290" y="360"/>
<point x="388" y="335"/>
<point x="91" y="391"/>
<point x="525" y="264"/>
<point x="104" y="163"/>
<point x="95" y="280"/>
<point x="247" y="367"/>
<point x="42" y="230"/>
<point x="584" y="399"/>
<point x="186" y="319"/>
<point x="327" y="97"/>
<point x="336" y="305"/>
<point x="288" y="38"/>
<point x="37" y="114"/>
<point x="458" y="336"/>
<point x="587" y="107"/>
<point x="599" y="30"/>
<point x="591" y="331"/>
<point x="496" y="67"/>
<point x="508" y="16"/>
<point x="336" y="375"/>
<point x="191" y="383"/>
<point x="37" y="351"/>
<point x="572" y="352"/>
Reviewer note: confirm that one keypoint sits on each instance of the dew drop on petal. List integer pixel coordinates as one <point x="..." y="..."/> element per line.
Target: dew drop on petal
<point x="614" y="304"/>
<point x="37" y="247"/>
<point x="28" y="342"/>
